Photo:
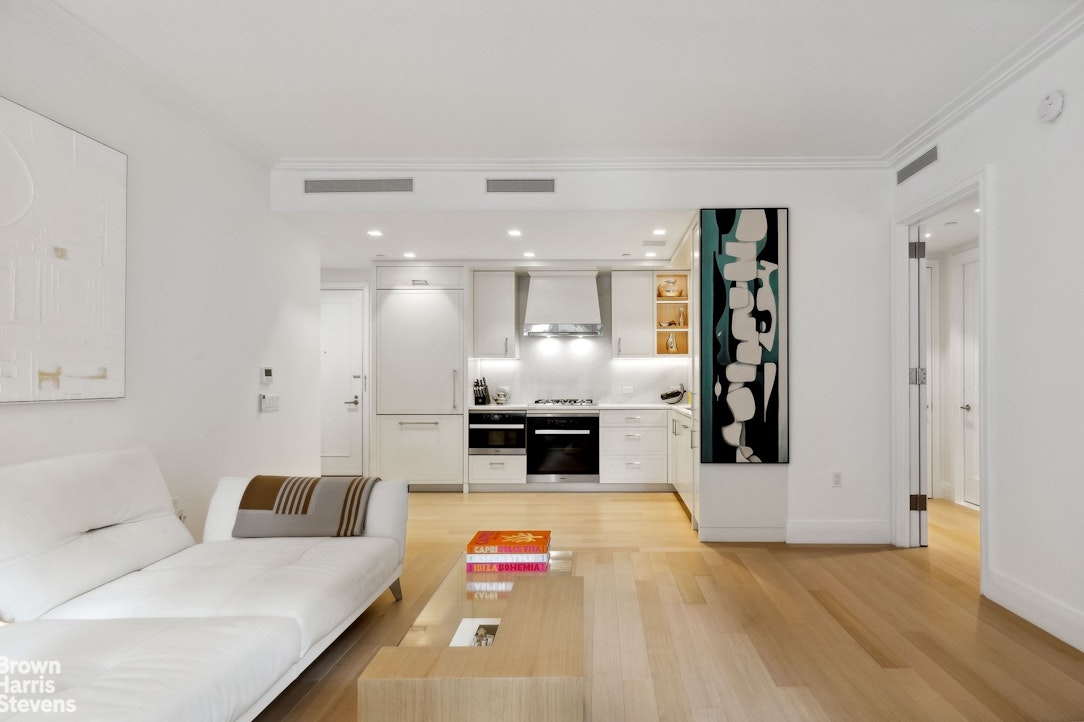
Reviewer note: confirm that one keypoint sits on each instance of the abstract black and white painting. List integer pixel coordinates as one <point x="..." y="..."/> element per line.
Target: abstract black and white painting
<point x="744" y="412"/>
<point x="62" y="261"/>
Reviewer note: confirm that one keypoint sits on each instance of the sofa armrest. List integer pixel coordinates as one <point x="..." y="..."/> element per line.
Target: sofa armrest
<point x="385" y="517"/>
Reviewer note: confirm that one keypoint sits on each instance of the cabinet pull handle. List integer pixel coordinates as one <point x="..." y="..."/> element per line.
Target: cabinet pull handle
<point x="633" y="418"/>
<point x="673" y="427"/>
<point x="634" y="436"/>
<point x="455" y="378"/>
<point x="419" y="423"/>
<point x="506" y="346"/>
<point x="419" y="282"/>
<point x="632" y="463"/>
<point x="496" y="464"/>
<point x="618" y="345"/>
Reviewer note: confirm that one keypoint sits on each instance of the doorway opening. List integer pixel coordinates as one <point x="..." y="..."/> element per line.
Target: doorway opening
<point x="946" y="344"/>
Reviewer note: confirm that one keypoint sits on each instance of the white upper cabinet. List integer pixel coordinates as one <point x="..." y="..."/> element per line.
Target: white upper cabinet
<point x="419" y="352"/>
<point x="632" y="315"/>
<point x="494" y="314"/>
<point x="419" y="277"/>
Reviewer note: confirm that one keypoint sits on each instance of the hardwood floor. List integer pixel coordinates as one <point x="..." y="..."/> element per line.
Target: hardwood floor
<point x="679" y="630"/>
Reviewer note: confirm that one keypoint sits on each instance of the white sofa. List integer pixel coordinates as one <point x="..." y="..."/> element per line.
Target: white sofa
<point x="126" y="617"/>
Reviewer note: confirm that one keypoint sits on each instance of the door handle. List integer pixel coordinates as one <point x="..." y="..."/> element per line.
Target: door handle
<point x="966" y="407"/>
<point x="354" y="402"/>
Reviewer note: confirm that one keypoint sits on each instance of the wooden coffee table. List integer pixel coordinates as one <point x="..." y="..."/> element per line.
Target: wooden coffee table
<point x="533" y="670"/>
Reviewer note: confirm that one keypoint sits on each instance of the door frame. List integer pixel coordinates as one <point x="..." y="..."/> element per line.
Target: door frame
<point x="367" y="353"/>
<point x="983" y="183"/>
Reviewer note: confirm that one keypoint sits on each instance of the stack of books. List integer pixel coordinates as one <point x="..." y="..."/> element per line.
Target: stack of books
<point x="494" y="558"/>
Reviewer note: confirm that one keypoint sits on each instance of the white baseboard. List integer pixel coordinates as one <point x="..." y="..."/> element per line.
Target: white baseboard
<point x="1061" y="620"/>
<point x="839" y="532"/>
<point x="742" y="534"/>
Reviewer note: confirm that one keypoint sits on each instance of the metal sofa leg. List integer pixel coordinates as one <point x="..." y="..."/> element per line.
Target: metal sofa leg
<point x="396" y="590"/>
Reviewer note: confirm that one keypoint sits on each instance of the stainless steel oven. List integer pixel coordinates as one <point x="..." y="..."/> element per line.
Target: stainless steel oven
<point x="496" y="433"/>
<point x="562" y="443"/>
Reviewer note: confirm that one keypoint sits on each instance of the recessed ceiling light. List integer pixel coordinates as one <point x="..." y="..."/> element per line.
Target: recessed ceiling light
<point x="649" y="254"/>
<point x="515" y="232"/>
<point x="659" y="231"/>
<point x="408" y="254"/>
<point x="978" y="210"/>
<point x="928" y="235"/>
<point x="375" y="233"/>
<point x="528" y="254"/>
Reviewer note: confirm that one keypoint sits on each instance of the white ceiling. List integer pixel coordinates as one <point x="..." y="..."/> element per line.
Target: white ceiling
<point x="536" y="84"/>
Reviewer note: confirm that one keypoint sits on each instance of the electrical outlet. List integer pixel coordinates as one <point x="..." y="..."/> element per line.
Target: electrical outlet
<point x="837" y="479"/>
<point x="627" y="390"/>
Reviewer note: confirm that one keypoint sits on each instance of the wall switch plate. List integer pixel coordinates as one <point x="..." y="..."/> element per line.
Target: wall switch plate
<point x="269" y="402"/>
<point x="628" y="390"/>
<point x="837" y="479"/>
<point x="266" y="375"/>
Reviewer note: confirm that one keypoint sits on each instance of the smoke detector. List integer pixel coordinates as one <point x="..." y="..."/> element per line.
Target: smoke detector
<point x="1051" y="106"/>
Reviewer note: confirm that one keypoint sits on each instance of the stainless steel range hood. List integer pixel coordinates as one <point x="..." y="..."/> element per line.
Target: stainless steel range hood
<point x="562" y="303"/>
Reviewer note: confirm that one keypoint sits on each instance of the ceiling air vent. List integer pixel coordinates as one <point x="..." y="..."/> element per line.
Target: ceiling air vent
<point x="525" y="185"/>
<point x="916" y="165"/>
<point x="360" y="185"/>
<point x="654" y="244"/>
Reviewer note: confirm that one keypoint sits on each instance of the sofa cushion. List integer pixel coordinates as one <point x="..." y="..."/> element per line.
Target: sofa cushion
<point x="172" y="670"/>
<point x="317" y="581"/>
<point x="70" y="524"/>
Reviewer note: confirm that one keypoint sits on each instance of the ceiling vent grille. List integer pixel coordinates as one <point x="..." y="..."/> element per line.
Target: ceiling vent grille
<point x="524" y="185"/>
<point x="916" y="165"/>
<point x="654" y="244"/>
<point x="360" y="185"/>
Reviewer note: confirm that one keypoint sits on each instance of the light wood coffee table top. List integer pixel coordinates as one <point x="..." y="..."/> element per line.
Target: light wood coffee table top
<point x="532" y="671"/>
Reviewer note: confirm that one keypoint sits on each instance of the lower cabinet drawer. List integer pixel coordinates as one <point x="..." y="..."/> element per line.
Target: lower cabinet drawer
<point x="645" y="468"/>
<point x="497" y="469"/>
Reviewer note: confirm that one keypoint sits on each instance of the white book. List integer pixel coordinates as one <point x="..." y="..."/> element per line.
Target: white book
<point x="506" y="558"/>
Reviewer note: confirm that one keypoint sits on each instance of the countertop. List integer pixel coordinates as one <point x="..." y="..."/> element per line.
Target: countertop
<point x="684" y="409"/>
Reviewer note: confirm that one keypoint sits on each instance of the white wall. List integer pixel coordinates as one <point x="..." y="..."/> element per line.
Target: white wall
<point x="1031" y="258"/>
<point x="216" y="286"/>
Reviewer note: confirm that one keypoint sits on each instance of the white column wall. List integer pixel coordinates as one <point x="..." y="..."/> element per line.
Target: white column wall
<point x="1031" y="254"/>
<point x="216" y="285"/>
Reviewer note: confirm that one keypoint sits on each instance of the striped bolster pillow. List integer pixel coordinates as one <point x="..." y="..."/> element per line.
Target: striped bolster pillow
<point x="303" y="506"/>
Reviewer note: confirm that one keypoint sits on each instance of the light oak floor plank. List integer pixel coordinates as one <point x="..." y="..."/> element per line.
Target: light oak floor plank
<point x="676" y="630"/>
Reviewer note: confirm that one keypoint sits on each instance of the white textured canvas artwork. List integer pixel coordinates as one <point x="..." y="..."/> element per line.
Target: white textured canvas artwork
<point x="62" y="256"/>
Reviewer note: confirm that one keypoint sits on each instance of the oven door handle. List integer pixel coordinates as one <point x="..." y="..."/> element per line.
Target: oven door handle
<point x="563" y="432"/>
<point x="495" y="426"/>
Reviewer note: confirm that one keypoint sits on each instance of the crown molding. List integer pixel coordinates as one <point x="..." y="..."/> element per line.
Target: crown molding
<point x="1058" y="33"/>
<point x="550" y="165"/>
<point x="143" y="76"/>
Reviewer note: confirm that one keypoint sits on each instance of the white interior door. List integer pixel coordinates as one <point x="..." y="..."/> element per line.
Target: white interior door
<point x="342" y="382"/>
<point x="918" y="480"/>
<point x="969" y="411"/>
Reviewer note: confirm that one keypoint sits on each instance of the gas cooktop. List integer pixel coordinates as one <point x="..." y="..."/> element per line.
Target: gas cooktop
<point x="564" y="402"/>
<point x="561" y="407"/>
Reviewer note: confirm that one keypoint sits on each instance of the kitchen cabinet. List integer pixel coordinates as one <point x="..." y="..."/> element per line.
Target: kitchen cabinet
<point x="632" y="313"/>
<point x="494" y="314"/>
<point x="419" y="386"/>
<point x="671" y="314"/>
<point x="680" y="455"/>
<point x="419" y="351"/>
<point x="423" y="449"/>
<point x="498" y="469"/>
<point x="419" y="277"/>
<point x="633" y="446"/>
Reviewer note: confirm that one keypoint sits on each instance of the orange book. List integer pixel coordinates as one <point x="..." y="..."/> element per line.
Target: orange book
<point x="509" y="542"/>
